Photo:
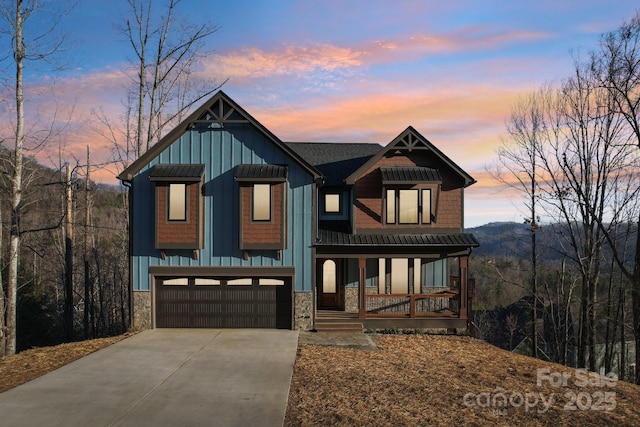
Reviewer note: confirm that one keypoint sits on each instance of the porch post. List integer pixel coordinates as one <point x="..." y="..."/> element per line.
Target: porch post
<point x="463" y="263"/>
<point x="362" y="277"/>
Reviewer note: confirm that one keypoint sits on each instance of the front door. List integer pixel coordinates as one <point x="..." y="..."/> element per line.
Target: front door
<point x="329" y="283"/>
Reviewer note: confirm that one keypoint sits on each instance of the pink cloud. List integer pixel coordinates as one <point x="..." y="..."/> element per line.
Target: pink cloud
<point x="468" y="39"/>
<point x="253" y="63"/>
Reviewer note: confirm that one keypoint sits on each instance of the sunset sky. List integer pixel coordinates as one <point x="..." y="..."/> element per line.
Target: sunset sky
<point x="348" y="71"/>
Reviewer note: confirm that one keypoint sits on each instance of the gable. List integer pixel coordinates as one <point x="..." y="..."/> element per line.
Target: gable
<point x="410" y="143"/>
<point x="218" y="111"/>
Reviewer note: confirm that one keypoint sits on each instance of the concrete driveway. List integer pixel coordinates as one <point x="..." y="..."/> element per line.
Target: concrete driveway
<point x="165" y="377"/>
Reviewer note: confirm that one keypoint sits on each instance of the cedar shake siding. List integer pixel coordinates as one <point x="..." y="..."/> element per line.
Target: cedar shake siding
<point x="263" y="234"/>
<point x="178" y="234"/>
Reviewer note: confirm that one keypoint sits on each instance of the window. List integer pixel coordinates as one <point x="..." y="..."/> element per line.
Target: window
<point x="182" y="281"/>
<point x="206" y="282"/>
<point x="332" y="203"/>
<point x="391" y="206"/>
<point x="408" y="206"/>
<point x="261" y="202"/>
<point x="426" y="206"/>
<point x="329" y="277"/>
<point x="177" y="202"/>
<point x="245" y="281"/>
<point x="271" y="282"/>
<point x="399" y="275"/>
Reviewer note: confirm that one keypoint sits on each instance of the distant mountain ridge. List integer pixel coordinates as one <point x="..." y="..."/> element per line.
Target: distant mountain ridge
<point x="503" y="239"/>
<point x="513" y="239"/>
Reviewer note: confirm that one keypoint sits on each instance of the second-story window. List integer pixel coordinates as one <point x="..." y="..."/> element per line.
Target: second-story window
<point x="411" y="194"/>
<point x="177" y="202"/>
<point x="332" y="203"/>
<point x="408" y="206"/>
<point x="261" y="202"/>
<point x="263" y="206"/>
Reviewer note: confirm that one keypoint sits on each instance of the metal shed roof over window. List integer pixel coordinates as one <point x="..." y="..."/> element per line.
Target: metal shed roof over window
<point x="409" y="175"/>
<point x="175" y="173"/>
<point x="264" y="173"/>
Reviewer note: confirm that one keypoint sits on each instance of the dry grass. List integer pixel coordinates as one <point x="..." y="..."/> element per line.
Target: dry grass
<point x="422" y="380"/>
<point x="31" y="364"/>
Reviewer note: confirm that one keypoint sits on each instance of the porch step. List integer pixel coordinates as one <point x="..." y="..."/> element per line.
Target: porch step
<point x="338" y="321"/>
<point x="338" y="326"/>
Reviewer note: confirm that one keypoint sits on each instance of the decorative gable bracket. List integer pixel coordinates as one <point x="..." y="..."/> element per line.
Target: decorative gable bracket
<point x="411" y="142"/>
<point x="220" y="112"/>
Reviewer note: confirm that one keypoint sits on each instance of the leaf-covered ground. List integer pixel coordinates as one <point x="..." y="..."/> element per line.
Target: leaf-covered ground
<point x="412" y="380"/>
<point x="445" y="380"/>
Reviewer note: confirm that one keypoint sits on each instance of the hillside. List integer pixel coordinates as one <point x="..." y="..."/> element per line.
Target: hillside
<point x="448" y="380"/>
<point x="413" y="380"/>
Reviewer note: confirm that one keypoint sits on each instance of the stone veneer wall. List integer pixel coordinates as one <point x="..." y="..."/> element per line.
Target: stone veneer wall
<point x="141" y="310"/>
<point x="303" y="310"/>
<point x="351" y="297"/>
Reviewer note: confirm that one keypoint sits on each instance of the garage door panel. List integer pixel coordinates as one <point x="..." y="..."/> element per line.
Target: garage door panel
<point x="223" y="306"/>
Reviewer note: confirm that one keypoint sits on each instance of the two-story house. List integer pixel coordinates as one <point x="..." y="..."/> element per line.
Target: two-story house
<point x="231" y="227"/>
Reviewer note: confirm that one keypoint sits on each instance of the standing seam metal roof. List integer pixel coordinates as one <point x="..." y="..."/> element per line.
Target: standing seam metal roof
<point x="409" y="175"/>
<point x="261" y="172"/>
<point x="177" y="172"/>
<point x="335" y="238"/>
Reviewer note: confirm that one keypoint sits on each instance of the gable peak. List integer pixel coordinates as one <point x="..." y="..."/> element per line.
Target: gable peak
<point x="221" y="110"/>
<point x="409" y="140"/>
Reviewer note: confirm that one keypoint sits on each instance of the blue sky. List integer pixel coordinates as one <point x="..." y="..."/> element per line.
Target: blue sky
<point x="356" y="71"/>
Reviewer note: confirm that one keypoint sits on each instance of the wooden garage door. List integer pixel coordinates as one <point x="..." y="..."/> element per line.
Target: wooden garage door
<point x="195" y="302"/>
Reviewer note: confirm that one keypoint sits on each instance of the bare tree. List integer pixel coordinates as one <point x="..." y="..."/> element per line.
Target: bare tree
<point x="40" y="45"/>
<point x="166" y="50"/>
<point x="518" y="168"/>
<point x="616" y="65"/>
<point x="568" y="139"/>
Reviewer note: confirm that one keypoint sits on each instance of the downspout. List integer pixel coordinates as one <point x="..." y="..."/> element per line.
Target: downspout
<point x="129" y="186"/>
<point x="317" y="183"/>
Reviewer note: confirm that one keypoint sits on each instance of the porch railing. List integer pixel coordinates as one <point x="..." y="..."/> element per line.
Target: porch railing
<point x="444" y="303"/>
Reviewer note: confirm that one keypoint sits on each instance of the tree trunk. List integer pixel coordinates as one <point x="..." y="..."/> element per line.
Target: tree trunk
<point x="88" y="291"/>
<point x="16" y="185"/>
<point x="623" y="338"/>
<point x="635" y="302"/>
<point x="2" y="310"/>
<point x="68" y="256"/>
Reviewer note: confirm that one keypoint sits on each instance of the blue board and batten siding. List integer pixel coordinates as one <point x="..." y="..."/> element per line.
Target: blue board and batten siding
<point x="221" y="150"/>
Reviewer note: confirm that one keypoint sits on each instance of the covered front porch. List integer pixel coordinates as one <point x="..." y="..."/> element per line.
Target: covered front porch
<point x="396" y="285"/>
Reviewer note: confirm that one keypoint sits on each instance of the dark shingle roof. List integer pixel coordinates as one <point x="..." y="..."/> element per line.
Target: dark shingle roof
<point x="335" y="238"/>
<point x="177" y="172"/>
<point x="335" y="161"/>
<point x="261" y="173"/>
<point x="409" y="175"/>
